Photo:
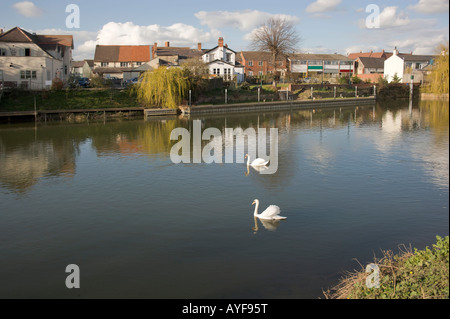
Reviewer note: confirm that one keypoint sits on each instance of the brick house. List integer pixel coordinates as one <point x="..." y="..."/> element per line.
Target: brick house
<point x="259" y="63"/>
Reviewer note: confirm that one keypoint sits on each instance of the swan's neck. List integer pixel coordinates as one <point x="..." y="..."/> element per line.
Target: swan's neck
<point x="248" y="160"/>
<point x="256" y="209"/>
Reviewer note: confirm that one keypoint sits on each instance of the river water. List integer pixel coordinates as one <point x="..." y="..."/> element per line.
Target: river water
<point x="106" y="197"/>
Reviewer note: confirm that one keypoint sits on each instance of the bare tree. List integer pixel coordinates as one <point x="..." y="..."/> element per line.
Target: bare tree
<point x="277" y="36"/>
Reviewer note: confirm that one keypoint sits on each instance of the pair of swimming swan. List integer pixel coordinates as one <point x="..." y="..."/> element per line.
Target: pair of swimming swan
<point x="273" y="211"/>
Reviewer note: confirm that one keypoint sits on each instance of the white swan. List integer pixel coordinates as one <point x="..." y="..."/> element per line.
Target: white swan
<point x="271" y="213"/>
<point x="257" y="162"/>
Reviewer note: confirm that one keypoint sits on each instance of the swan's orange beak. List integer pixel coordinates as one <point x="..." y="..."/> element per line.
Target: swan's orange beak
<point x="253" y="203"/>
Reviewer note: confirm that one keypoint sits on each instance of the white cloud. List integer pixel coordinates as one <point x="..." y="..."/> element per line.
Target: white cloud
<point x="421" y="44"/>
<point x="242" y="20"/>
<point x="27" y="9"/>
<point x="128" y="33"/>
<point x="390" y="18"/>
<point x="322" y="6"/>
<point x="431" y="6"/>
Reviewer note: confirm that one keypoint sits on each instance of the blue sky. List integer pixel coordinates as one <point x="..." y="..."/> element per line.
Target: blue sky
<point x="326" y="26"/>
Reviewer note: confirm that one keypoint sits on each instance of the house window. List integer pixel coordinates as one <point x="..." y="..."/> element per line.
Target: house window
<point x="28" y="74"/>
<point x="123" y="64"/>
<point x="138" y="63"/>
<point x="260" y="73"/>
<point x="250" y="73"/>
<point x="105" y="64"/>
<point x="27" y="52"/>
<point x="228" y="57"/>
<point x="2" y="52"/>
<point x="260" y="63"/>
<point x="418" y="66"/>
<point x="250" y="63"/>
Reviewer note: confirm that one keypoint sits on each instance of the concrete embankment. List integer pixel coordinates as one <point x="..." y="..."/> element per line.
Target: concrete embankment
<point x="275" y="106"/>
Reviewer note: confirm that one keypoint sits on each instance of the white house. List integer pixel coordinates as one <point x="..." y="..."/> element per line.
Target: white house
<point x="222" y="62"/>
<point x="407" y="67"/>
<point x="32" y="61"/>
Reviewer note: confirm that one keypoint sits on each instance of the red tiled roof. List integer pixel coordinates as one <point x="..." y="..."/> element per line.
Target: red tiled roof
<point x="134" y="53"/>
<point x="19" y="35"/>
<point x="122" y="53"/>
<point x="354" y="56"/>
<point x="66" y="40"/>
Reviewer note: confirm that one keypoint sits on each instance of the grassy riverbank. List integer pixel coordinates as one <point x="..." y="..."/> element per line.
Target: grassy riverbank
<point x="67" y="100"/>
<point x="418" y="274"/>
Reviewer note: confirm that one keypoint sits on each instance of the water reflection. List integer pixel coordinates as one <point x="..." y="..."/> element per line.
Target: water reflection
<point x="28" y="154"/>
<point x="270" y="225"/>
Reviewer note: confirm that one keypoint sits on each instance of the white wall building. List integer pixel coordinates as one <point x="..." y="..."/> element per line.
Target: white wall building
<point x="222" y="62"/>
<point x="31" y="61"/>
<point x="407" y="67"/>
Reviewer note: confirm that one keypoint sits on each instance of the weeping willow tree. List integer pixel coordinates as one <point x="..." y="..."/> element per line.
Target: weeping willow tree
<point x="164" y="87"/>
<point x="439" y="78"/>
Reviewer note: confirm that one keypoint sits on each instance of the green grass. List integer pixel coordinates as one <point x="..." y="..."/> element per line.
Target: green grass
<point x="67" y="100"/>
<point x="418" y="274"/>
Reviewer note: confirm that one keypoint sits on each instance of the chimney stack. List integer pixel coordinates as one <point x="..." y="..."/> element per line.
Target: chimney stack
<point x="395" y="51"/>
<point x="154" y="49"/>
<point x="1" y="31"/>
<point x="167" y="44"/>
<point x="221" y="42"/>
<point x="199" y="46"/>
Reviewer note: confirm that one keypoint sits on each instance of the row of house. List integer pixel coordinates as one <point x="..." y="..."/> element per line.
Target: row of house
<point x="406" y="66"/>
<point x="34" y="61"/>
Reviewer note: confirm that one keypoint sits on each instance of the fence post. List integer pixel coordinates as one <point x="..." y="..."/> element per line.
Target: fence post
<point x="259" y="94"/>
<point x="226" y="96"/>
<point x="312" y="93"/>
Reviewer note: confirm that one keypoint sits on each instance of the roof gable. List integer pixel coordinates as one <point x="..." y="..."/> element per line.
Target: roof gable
<point x="210" y="50"/>
<point x="18" y="35"/>
<point x="377" y="63"/>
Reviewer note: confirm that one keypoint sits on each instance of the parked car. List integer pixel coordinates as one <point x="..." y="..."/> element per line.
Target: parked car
<point x="84" y="82"/>
<point x="132" y="81"/>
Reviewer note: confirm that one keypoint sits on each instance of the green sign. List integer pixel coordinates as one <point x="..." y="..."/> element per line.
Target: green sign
<point x="315" y="67"/>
